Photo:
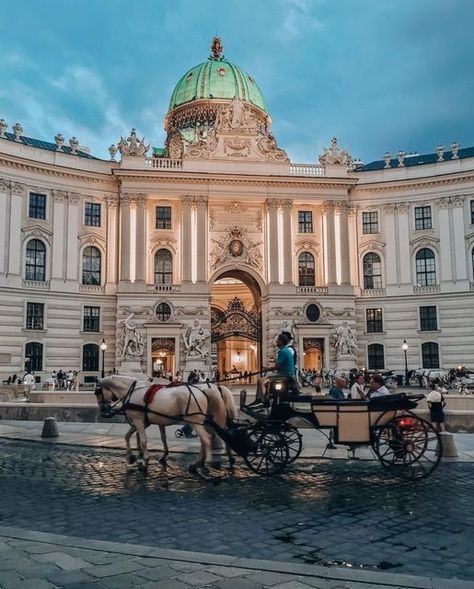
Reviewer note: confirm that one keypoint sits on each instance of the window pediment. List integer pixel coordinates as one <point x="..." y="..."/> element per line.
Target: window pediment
<point x="37" y="231"/>
<point x="424" y="241"/>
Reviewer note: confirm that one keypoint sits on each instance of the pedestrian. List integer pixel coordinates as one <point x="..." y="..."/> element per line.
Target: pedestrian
<point x="29" y="383"/>
<point x="436" y="404"/>
<point x="358" y="388"/>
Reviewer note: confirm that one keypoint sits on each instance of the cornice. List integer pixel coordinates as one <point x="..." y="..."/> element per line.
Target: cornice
<point x="416" y="183"/>
<point x="58" y="171"/>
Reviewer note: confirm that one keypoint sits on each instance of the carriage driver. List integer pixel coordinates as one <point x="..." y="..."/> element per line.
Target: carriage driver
<point x="284" y="367"/>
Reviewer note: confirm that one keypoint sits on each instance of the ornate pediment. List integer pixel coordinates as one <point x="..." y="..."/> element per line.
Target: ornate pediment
<point x="37" y="231"/>
<point x="235" y="245"/>
<point x="373" y="245"/>
<point x="166" y="242"/>
<point x="238" y="133"/>
<point x="90" y="238"/>
<point x="424" y="241"/>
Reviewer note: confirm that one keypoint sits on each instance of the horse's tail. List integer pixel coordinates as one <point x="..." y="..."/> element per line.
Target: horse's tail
<point x="228" y="399"/>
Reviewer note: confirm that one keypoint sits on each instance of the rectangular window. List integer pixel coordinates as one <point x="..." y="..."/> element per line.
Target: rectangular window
<point x="472" y="212"/>
<point x="374" y="320"/>
<point x="428" y="319"/>
<point x="91" y="319"/>
<point x="163" y="217"/>
<point x="34" y="315"/>
<point x="423" y="218"/>
<point x="92" y="214"/>
<point x="37" y="206"/>
<point x="305" y="222"/>
<point x="370" y="222"/>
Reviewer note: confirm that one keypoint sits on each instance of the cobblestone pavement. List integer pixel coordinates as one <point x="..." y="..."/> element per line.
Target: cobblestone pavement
<point x="331" y="513"/>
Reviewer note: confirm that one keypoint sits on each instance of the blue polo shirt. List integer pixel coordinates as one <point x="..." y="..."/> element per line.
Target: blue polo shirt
<point x="285" y="362"/>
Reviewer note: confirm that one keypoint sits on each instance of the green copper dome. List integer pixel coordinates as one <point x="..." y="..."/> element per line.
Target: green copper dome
<point x="216" y="78"/>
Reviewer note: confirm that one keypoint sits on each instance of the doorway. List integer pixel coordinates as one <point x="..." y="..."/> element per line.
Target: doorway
<point x="313" y="353"/>
<point x="163" y="356"/>
<point x="236" y="331"/>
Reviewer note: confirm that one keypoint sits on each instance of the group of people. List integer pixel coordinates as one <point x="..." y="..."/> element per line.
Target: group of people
<point x="340" y="389"/>
<point x="64" y="380"/>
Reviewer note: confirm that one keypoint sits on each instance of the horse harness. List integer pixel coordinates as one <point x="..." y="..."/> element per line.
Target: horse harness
<point x="114" y="409"/>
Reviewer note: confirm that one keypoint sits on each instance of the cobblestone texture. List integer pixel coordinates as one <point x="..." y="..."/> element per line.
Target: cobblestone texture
<point x="334" y="513"/>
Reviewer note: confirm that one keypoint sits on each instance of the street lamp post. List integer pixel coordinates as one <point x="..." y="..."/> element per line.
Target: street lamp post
<point x="405" y="348"/>
<point x="103" y="347"/>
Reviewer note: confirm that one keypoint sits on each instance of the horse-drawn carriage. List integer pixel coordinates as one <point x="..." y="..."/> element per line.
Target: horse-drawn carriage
<point x="406" y="445"/>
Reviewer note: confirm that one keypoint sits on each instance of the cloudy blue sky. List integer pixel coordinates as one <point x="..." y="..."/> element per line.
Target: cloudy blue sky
<point x="380" y="75"/>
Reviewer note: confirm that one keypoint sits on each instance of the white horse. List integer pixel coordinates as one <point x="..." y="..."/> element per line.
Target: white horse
<point x="172" y="404"/>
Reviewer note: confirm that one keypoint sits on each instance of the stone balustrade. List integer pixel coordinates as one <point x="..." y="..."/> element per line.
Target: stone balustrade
<point x="162" y="163"/>
<point x="37" y="284"/>
<point x="372" y="292"/>
<point x="163" y="288"/>
<point x="307" y="170"/>
<point x="422" y="290"/>
<point x="322" y="290"/>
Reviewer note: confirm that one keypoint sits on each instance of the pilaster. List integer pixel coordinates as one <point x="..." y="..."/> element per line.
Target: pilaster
<point x="125" y="250"/>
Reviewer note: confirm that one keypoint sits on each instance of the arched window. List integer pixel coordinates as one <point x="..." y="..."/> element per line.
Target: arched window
<point x="163" y="312"/>
<point x="372" y="266"/>
<point x="163" y="267"/>
<point x="375" y="357"/>
<point x="90" y="358"/>
<point x="306" y="274"/>
<point x="34" y="356"/>
<point x="430" y="355"/>
<point x="425" y="267"/>
<point x="35" y="260"/>
<point x="91" y="264"/>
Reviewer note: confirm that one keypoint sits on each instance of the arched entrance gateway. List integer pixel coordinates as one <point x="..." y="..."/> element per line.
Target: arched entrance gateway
<point x="236" y="324"/>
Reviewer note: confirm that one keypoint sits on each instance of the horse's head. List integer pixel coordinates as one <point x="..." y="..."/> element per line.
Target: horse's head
<point x="111" y="389"/>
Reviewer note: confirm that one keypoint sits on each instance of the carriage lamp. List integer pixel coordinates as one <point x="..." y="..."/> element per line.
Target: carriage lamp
<point x="103" y="347"/>
<point x="405" y="348"/>
<point x="278" y="386"/>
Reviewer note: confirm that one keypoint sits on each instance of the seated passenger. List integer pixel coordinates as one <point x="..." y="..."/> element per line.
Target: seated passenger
<point x="284" y="367"/>
<point x="358" y="388"/>
<point x="336" y="391"/>
<point x="377" y="387"/>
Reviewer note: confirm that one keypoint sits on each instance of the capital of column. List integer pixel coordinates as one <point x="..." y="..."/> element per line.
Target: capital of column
<point x="341" y="206"/>
<point x="272" y="205"/>
<point x="17" y="189"/>
<point x="139" y="199"/>
<point x="59" y="195"/>
<point x="458" y="200"/>
<point x="73" y="198"/>
<point x="200" y="201"/>
<point x="4" y="184"/>
<point x="187" y="201"/>
<point x="126" y="198"/>
<point x="403" y="207"/>
<point x="286" y="204"/>
<point x="112" y="202"/>
<point x="443" y="202"/>
<point x="390" y="207"/>
<point x="329" y="206"/>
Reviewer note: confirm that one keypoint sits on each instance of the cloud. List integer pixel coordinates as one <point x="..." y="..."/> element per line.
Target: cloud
<point x="298" y="19"/>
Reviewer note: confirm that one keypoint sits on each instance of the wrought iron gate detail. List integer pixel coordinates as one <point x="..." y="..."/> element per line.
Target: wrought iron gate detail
<point x="235" y="321"/>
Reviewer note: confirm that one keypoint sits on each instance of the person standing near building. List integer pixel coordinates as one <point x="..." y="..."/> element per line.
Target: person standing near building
<point x="436" y="404"/>
<point x="29" y="383"/>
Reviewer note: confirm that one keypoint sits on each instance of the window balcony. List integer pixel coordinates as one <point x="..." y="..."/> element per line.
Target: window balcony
<point x="422" y="290"/>
<point x="36" y="284"/>
<point x="372" y="292"/>
<point x="163" y="288"/>
<point x="91" y="288"/>
<point x="321" y="290"/>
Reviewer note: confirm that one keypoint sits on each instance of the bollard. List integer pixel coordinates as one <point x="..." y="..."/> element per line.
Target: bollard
<point x="50" y="428"/>
<point x="448" y="445"/>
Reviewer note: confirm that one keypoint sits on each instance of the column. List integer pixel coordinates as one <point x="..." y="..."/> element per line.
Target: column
<point x="353" y="246"/>
<point x="271" y="206"/>
<point x="287" y="208"/>
<point x="330" y="245"/>
<point x="445" y="236"/>
<point x="459" y="240"/>
<point x="202" y="238"/>
<point x="391" y="250"/>
<point x="186" y="238"/>
<point x="344" y="243"/>
<point x="3" y="223"/>
<point x="17" y="192"/>
<point x="140" y="238"/>
<point x="72" y="268"/>
<point x="112" y="209"/>
<point x="404" y="262"/>
<point x="59" y="238"/>
<point x="125" y="201"/>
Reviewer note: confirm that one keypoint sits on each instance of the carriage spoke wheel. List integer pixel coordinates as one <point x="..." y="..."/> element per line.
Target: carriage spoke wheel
<point x="269" y="454"/>
<point x="294" y="440"/>
<point x="409" y="447"/>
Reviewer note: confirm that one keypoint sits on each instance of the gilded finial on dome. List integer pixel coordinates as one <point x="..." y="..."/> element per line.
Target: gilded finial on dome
<point x="217" y="49"/>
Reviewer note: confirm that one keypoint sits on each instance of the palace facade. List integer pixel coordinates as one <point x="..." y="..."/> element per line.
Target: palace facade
<point x="220" y="231"/>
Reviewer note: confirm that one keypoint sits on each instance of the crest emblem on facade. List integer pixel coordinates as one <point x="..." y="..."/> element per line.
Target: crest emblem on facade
<point x="236" y="245"/>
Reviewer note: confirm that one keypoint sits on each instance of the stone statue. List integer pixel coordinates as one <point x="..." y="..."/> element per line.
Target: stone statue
<point x="132" y="340"/>
<point x="290" y="326"/>
<point x="194" y="339"/>
<point x="344" y="340"/>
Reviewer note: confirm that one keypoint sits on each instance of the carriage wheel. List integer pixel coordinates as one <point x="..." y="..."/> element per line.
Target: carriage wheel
<point x="294" y="441"/>
<point x="408" y="446"/>
<point x="269" y="454"/>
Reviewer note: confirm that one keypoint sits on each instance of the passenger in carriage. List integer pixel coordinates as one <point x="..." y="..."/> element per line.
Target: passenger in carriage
<point x="377" y="387"/>
<point x="337" y="391"/>
<point x="358" y="388"/>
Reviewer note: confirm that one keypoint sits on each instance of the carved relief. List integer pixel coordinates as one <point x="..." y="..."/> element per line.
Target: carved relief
<point x="335" y="156"/>
<point x="330" y="312"/>
<point x="235" y="208"/>
<point x="132" y="146"/>
<point x="236" y="245"/>
<point x="175" y="145"/>
<point x="237" y="146"/>
<point x="191" y="311"/>
<point x="267" y="146"/>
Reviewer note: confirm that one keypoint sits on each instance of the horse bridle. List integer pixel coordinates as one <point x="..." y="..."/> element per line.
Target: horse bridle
<point x="108" y="409"/>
